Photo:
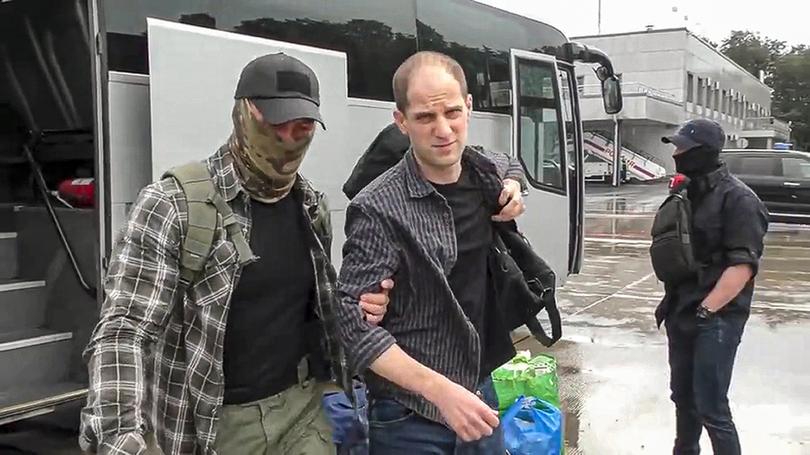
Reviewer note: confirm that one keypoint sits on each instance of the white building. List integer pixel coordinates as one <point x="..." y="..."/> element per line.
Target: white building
<point x="668" y="77"/>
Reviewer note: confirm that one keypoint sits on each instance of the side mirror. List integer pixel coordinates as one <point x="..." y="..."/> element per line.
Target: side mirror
<point x="612" y="95"/>
<point x="611" y="87"/>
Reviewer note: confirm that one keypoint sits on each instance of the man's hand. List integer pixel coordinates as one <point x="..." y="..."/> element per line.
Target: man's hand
<point x="728" y="287"/>
<point x="511" y="200"/>
<point x="468" y="416"/>
<point x="374" y="305"/>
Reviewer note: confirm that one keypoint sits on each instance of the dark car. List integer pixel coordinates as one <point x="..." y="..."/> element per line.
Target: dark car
<point x="781" y="178"/>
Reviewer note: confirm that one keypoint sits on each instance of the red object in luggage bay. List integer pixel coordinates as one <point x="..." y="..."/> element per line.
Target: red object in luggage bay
<point x="78" y="192"/>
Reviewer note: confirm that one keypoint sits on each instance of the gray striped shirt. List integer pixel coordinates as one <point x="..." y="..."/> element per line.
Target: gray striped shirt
<point x="401" y="227"/>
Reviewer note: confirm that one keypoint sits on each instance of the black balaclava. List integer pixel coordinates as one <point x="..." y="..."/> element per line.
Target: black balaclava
<point x="697" y="162"/>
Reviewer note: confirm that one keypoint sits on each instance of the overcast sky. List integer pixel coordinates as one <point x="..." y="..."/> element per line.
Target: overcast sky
<point x="786" y="20"/>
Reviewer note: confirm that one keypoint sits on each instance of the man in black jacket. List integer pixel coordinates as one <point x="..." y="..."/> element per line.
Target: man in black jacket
<point x="706" y="313"/>
<point x="386" y="150"/>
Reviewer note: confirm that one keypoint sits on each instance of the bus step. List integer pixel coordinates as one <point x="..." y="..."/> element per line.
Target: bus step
<point x="22" y="305"/>
<point x="38" y="356"/>
<point x="8" y="255"/>
<point x="27" y="401"/>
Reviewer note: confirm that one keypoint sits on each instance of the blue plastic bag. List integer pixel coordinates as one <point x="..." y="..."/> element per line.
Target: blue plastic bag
<point x="532" y="426"/>
<point x="349" y="427"/>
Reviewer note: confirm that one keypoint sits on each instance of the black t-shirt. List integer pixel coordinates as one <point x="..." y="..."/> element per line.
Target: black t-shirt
<point x="469" y="277"/>
<point x="264" y="341"/>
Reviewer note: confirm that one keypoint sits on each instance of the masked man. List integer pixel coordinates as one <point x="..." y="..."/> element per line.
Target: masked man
<point x="234" y="357"/>
<point x="706" y="306"/>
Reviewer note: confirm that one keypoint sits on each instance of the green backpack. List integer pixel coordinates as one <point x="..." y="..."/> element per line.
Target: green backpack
<point x="204" y="203"/>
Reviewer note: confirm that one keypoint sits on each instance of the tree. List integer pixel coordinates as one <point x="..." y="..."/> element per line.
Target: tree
<point x="753" y="52"/>
<point x="786" y="72"/>
<point x="791" y="95"/>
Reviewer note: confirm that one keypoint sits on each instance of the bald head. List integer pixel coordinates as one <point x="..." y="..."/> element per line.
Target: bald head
<point x="417" y="61"/>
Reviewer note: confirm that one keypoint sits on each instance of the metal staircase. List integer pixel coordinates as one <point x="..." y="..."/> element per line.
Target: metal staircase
<point x="639" y="166"/>
<point x="38" y="368"/>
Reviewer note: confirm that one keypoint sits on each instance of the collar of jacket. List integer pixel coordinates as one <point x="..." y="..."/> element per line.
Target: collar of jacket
<point x="227" y="180"/>
<point x="419" y="186"/>
<point x="706" y="183"/>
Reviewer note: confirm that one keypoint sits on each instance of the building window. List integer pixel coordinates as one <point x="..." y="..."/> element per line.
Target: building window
<point x="700" y="95"/>
<point x="690" y="88"/>
<point x="717" y="100"/>
<point x="724" y="103"/>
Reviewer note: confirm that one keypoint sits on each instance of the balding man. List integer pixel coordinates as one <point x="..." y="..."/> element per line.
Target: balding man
<point x="428" y="222"/>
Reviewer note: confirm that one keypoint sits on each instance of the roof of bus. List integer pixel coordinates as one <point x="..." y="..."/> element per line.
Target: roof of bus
<point x="512" y="13"/>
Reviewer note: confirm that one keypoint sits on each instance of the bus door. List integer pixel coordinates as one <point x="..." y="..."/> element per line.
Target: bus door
<point x="539" y="141"/>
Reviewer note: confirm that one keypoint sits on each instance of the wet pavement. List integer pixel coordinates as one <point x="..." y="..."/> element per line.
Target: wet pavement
<point x="613" y="361"/>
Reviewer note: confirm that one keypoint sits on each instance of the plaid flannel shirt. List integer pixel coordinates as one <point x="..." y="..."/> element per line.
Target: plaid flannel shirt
<point x="155" y="358"/>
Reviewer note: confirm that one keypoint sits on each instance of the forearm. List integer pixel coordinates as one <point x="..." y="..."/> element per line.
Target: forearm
<point x="115" y="417"/>
<point x="515" y="172"/>
<point x="141" y="287"/>
<point x="728" y="287"/>
<point x="403" y="370"/>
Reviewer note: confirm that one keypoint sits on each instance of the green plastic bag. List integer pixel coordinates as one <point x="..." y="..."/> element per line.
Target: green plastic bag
<point x="526" y="376"/>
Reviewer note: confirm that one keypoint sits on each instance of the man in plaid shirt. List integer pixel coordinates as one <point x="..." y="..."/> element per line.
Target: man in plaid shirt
<point x="236" y="359"/>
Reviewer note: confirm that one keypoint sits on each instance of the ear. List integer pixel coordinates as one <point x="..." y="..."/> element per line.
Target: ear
<point x="401" y="121"/>
<point x="469" y="103"/>
<point x="254" y="111"/>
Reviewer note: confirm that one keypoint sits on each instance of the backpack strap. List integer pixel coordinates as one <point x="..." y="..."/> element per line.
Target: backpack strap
<point x="204" y="202"/>
<point x="233" y="228"/>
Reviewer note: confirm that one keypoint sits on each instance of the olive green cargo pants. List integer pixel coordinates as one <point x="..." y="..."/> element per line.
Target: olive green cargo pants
<point x="289" y="423"/>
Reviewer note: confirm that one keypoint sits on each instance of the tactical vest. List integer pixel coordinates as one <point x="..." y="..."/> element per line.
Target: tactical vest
<point x="671" y="252"/>
<point x="204" y="203"/>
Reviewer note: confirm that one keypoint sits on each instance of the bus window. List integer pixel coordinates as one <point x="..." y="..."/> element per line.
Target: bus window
<point x="540" y="133"/>
<point x="480" y="38"/>
<point x="376" y="36"/>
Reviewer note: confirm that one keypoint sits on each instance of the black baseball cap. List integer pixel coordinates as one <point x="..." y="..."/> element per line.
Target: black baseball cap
<point x="282" y="87"/>
<point x="697" y="132"/>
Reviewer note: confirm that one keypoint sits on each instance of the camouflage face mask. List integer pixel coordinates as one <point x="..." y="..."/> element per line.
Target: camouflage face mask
<point x="267" y="166"/>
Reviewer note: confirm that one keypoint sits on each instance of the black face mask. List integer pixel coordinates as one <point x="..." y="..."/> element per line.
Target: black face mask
<point x="697" y="161"/>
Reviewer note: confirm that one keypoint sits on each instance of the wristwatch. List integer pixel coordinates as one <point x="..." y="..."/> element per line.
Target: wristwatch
<point x="704" y="313"/>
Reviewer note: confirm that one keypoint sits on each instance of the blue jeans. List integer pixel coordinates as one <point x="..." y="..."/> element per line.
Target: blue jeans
<point x="396" y="430"/>
<point x="701" y="360"/>
<point x="350" y="431"/>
